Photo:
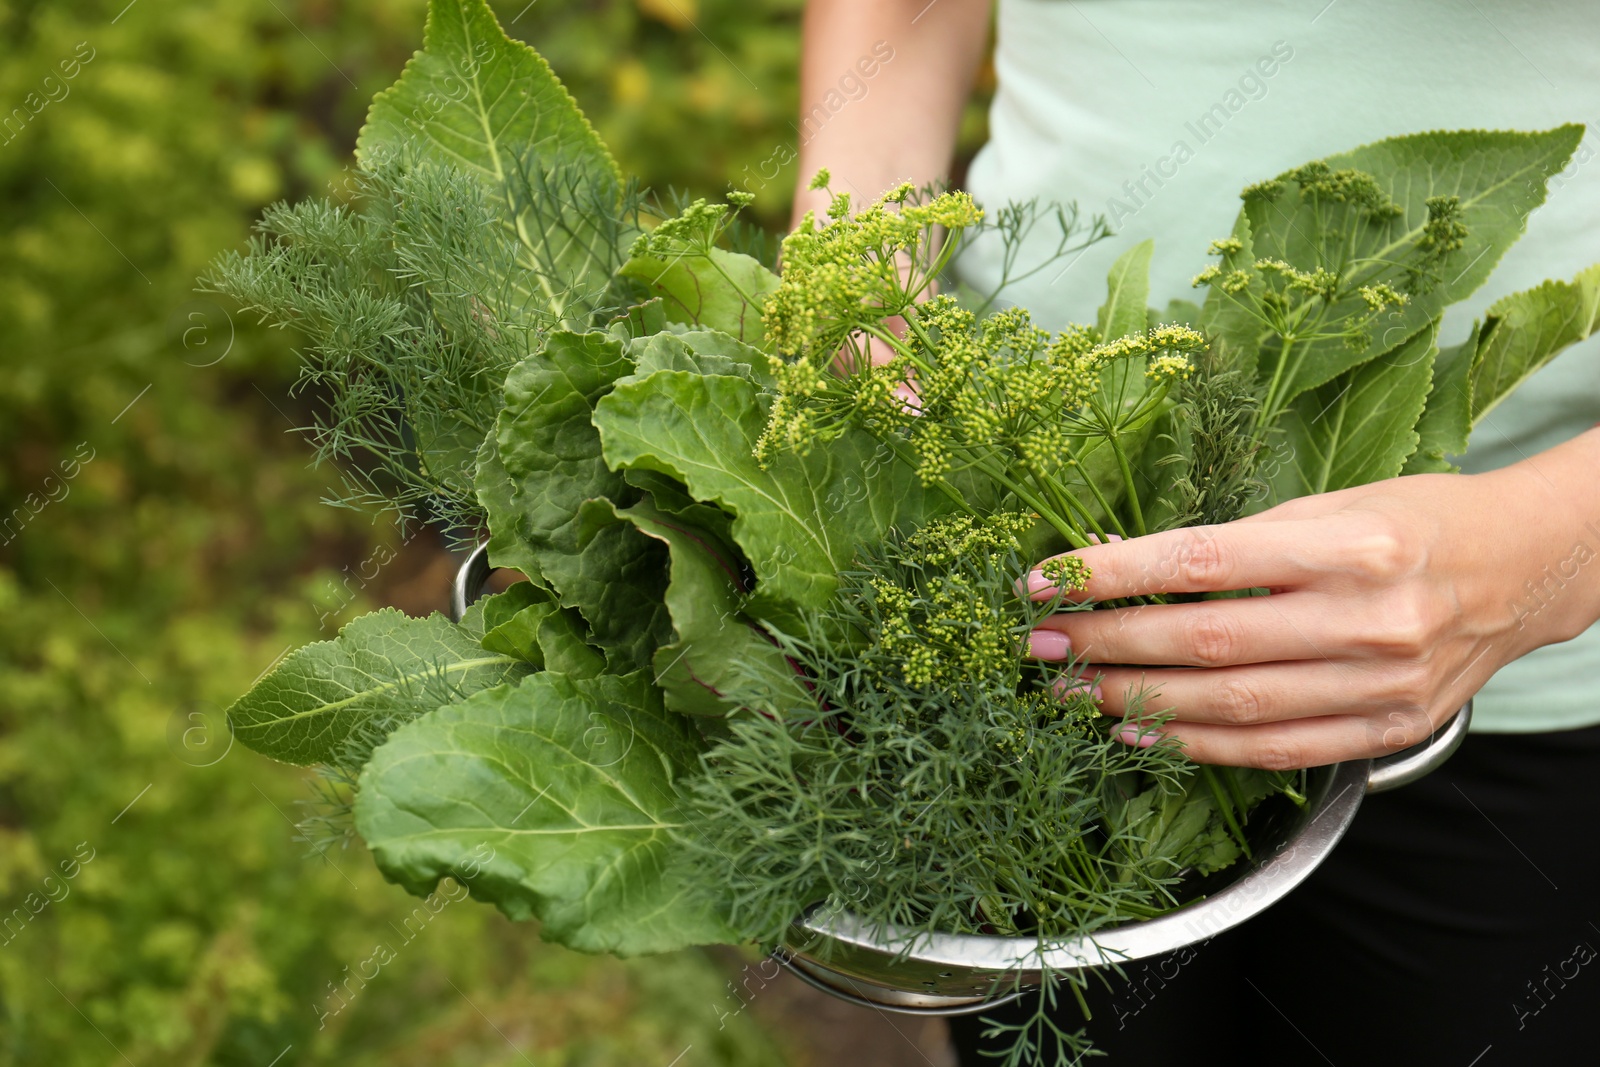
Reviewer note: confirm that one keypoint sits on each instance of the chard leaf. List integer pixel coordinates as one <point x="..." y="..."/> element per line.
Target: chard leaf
<point x="332" y="701"/>
<point x="491" y="106"/>
<point x="717" y="646"/>
<point x="800" y="520"/>
<point x="511" y="621"/>
<point x="669" y="495"/>
<point x="700" y="351"/>
<point x="638" y="321"/>
<point x="509" y="539"/>
<point x="536" y="629"/>
<point x="570" y="787"/>
<point x="1500" y="178"/>
<point x="1358" y="428"/>
<point x="719" y="290"/>
<point x="1525" y="330"/>
<point x="550" y="451"/>
<point x="562" y="639"/>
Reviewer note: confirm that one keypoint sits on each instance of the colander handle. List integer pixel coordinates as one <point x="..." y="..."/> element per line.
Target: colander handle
<point x="469" y="581"/>
<point x="1405" y="767"/>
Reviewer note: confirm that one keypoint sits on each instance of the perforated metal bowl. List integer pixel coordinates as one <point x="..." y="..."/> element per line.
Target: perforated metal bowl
<point x="951" y="974"/>
<point x="957" y="974"/>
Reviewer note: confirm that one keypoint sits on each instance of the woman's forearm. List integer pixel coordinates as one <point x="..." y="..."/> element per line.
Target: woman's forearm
<point x="900" y="123"/>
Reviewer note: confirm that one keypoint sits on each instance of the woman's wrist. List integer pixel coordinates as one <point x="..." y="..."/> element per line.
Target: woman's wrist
<point x="1554" y="499"/>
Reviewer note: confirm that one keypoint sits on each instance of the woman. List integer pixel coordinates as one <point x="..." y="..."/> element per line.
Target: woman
<point x="1457" y="922"/>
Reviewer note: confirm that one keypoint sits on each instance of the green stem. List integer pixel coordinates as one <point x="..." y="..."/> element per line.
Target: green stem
<point x="1269" y="412"/>
<point x="1225" y="806"/>
<point x="874" y="330"/>
<point x="1067" y="500"/>
<point x="1127" y="478"/>
<point x="1074" y="536"/>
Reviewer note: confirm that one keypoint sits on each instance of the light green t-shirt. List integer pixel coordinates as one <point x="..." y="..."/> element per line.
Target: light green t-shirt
<point x="1157" y="112"/>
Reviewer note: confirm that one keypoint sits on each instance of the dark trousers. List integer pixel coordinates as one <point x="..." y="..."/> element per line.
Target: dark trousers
<point x="1457" y="924"/>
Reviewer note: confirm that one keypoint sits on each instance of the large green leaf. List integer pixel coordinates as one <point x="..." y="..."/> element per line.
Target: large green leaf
<point x="526" y="622"/>
<point x="550" y="452"/>
<point x="1358" y="428"/>
<point x="331" y="702"/>
<point x="1522" y="333"/>
<point x="800" y="520"/>
<point x="701" y="351"/>
<point x="485" y="104"/>
<point x="718" y="648"/>
<point x="719" y="290"/>
<point x="1127" y="293"/>
<point x="1499" y="177"/>
<point x="1447" y="417"/>
<point x="510" y="544"/>
<point x="1525" y="330"/>
<point x="571" y="787"/>
<point x="510" y="626"/>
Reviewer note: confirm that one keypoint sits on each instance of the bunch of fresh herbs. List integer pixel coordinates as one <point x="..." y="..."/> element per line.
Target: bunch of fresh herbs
<point x="770" y="654"/>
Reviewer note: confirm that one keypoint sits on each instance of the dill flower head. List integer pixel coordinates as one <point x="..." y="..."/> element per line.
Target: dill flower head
<point x="1169" y="368"/>
<point x="1444" y="231"/>
<point x="694" y="229"/>
<point x="941" y="542"/>
<point x="856" y="269"/>
<point x="1345" y="186"/>
<point x="940" y="606"/>
<point x="1318" y="282"/>
<point x="1270" y="189"/>
<point x="1069" y="573"/>
<point x="1167" y="347"/>
<point x="1381" y="296"/>
<point x="1235" y="282"/>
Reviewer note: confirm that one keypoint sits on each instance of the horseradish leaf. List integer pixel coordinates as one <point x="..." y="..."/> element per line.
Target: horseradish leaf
<point x="491" y="106"/>
<point x="1358" y="428"/>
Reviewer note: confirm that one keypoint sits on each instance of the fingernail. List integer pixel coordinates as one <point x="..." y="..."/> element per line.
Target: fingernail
<point x="1034" y="584"/>
<point x="1130" y="735"/>
<point x="1094" y="539"/>
<point x="1049" y="644"/>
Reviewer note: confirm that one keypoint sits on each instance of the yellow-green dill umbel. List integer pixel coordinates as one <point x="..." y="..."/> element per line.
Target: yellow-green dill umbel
<point x="861" y="343"/>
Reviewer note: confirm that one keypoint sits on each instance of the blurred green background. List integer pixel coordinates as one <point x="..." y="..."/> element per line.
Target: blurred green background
<point x="162" y="542"/>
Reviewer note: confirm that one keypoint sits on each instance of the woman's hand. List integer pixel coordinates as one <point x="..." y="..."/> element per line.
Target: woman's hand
<point x="1391" y="604"/>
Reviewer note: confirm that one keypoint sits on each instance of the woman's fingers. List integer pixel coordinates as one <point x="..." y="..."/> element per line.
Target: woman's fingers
<point x="1214" y="559"/>
<point x="1215" y="633"/>
<point x="1278" y="746"/>
<point x="1248" y="696"/>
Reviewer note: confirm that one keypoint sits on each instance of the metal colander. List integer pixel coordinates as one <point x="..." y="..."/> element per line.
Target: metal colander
<point x="957" y="974"/>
